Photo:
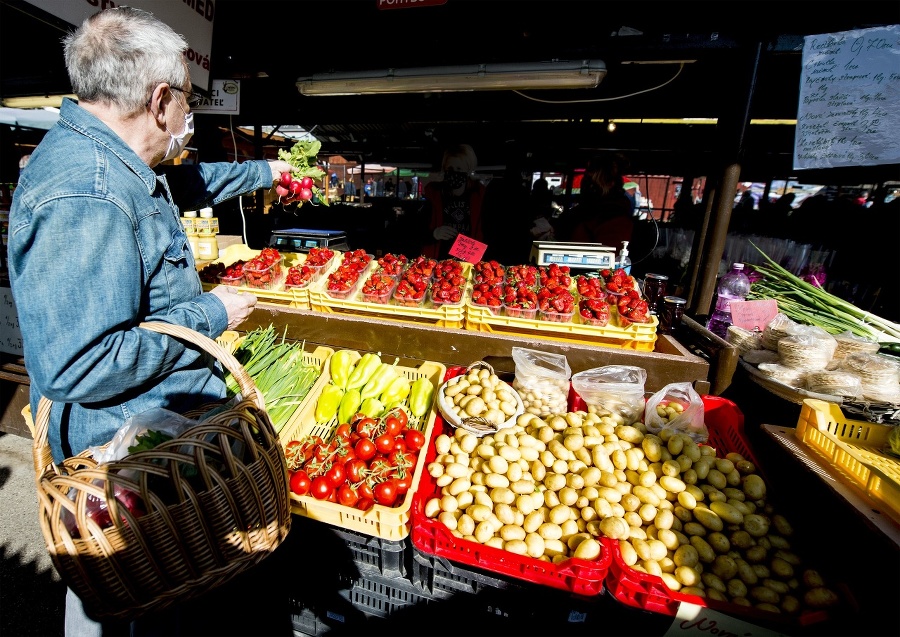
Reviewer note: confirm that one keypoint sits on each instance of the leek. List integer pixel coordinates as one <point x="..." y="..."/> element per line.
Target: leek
<point x="278" y="371"/>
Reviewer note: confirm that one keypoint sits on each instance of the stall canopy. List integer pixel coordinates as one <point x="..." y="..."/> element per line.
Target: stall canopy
<point x="373" y="169"/>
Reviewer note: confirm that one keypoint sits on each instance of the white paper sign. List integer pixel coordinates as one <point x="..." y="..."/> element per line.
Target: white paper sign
<point x="193" y="20"/>
<point x="10" y="334"/>
<point x="224" y="98"/>
<point x="849" y="109"/>
<point x="696" y="621"/>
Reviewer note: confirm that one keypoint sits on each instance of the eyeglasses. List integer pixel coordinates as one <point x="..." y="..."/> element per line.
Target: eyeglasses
<point x="193" y="99"/>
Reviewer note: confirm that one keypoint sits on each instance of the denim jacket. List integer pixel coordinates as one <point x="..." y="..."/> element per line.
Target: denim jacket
<point x="96" y="246"/>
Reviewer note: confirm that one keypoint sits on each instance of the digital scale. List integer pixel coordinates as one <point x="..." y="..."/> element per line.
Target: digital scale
<point x="303" y="239"/>
<point x="586" y="256"/>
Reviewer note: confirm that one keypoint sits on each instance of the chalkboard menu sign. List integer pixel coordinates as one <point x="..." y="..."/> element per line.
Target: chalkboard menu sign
<point x="849" y="109"/>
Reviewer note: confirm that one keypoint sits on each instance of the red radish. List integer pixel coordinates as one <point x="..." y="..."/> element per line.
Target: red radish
<point x="282" y="191"/>
<point x="305" y="194"/>
<point x="307" y="182"/>
<point x="285" y="180"/>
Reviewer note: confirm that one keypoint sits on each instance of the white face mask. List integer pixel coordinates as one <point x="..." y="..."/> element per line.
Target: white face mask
<point x="178" y="142"/>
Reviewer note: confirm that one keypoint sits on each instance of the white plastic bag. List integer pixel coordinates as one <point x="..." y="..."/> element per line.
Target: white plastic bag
<point x="618" y="389"/>
<point x="683" y="408"/>
<point x="542" y="380"/>
<point x="158" y="419"/>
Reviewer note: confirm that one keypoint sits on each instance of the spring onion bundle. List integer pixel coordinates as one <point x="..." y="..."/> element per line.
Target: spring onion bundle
<point x="278" y="370"/>
<point x="811" y="305"/>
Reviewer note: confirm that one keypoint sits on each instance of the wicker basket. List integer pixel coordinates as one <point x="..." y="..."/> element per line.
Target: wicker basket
<point x="195" y="532"/>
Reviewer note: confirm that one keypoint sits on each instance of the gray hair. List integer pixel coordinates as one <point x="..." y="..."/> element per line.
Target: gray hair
<point x="119" y="55"/>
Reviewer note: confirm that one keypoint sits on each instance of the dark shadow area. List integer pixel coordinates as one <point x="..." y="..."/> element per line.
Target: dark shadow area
<point x="33" y="602"/>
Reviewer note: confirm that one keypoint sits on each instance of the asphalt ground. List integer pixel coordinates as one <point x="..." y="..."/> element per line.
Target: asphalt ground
<point x="32" y="597"/>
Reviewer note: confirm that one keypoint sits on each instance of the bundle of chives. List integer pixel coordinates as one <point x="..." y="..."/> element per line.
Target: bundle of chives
<point x="812" y="305"/>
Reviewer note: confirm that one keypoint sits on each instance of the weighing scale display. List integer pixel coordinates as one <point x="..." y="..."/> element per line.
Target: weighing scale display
<point x="303" y="239"/>
<point x="589" y="256"/>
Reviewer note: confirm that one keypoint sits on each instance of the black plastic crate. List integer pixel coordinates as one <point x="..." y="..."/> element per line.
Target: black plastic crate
<point x="442" y="578"/>
<point x="379" y="596"/>
<point x="305" y="622"/>
<point x="388" y="557"/>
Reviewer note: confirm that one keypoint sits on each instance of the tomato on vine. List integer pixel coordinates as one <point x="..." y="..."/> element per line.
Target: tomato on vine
<point x="300" y="482"/>
<point x="415" y="439"/>
<point x="321" y="488"/>
<point x="385" y="493"/>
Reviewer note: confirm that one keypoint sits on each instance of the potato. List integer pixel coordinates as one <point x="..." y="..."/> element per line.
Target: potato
<point x="764" y="595"/>
<point x="753" y="486"/>
<point x="725" y="567"/>
<point x="708" y="518"/>
<point x="589" y="549"/>
<point x="756" y="525"/>
<point x="615" y="527"/>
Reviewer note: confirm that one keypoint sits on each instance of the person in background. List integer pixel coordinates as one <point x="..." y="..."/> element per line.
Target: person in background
<point x="744" y="208"/>
<point x="634" y="195"/>
<point x="603" y="213"/>
<point x="541" y="211"/>
<point x="402" y="189"/>
<point x="506" y="216"/>
<point x="94" y="254"/>
<point x="454" y="203"/>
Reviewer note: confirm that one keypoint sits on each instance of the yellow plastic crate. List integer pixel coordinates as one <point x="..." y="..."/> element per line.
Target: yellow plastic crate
<point x="389" y="523"/>
<point x="446" y="315"/>
<point x="855" y="448"/>
<point x="293" y="297"/>
<point x="640" y="337"/>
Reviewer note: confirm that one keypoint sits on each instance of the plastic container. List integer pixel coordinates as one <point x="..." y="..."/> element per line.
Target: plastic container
<point x="235" y="281"/>
<point x="856" y="448"/>
<point x="263" y="277"/>
<point x="733" y="286"/>
<point x="208" y="221"/>
<point x="389" y="523"/>
<point x="583" y="577"/>
<point x="378" y="288"/>
<point x="207" y="248"/>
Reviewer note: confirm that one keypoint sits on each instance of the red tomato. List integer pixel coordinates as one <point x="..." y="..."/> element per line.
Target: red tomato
<point x="336" y="475"/>
<point x="365" y="427"/>
<point x="399" y="444"/>
<point x="385" y="493"/>
<point x="403" y="484"/>
<point x="392" y="425"/>
<point x="402" y="459"/>
<point x="332" y="497"/>
<point x="384" y="443"/>
<point x="415" y="439"/>
<point x="365" y="449"/>
<point x="402" y="416"/>
<point x="365" y="491"/>
<point x="347" y="495"/>
<point x="354" y="470"/>
<point x="300" y="482"/>
<point x="321" y="488"/>
<point x="344" y="430"/>
<point x="365" y="504"/>
<point x="348" y="455"/>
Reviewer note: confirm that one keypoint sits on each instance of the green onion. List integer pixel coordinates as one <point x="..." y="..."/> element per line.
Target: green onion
<point x="278" y="370"/>
<point x="811" y="305"/>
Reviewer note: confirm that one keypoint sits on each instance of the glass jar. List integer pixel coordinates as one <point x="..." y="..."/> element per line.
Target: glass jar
<point x="670" y="313"/>
<point x="654" y="290"/>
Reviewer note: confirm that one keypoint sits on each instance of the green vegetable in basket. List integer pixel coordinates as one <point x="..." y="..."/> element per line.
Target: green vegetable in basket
<point x="383" y="376"/>
<point x="350" y="403"/>
<point x="420" y="396"/>
<point x="341" y="366"/>
<point x="893" y="445"/>
<point x="397" y="391"/>
<point x="328" y="403"/>
<point x="372" y="407"/>
<point x="363" y="371"/>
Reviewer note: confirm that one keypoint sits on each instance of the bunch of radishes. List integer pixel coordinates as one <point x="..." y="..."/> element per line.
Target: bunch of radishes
<point x="291" y="189"/>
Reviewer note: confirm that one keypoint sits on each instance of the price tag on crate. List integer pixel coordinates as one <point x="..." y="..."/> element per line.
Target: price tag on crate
<point x="753" y="315"/>
<point x="467" y="249"/>
<point x="696" y="621"/>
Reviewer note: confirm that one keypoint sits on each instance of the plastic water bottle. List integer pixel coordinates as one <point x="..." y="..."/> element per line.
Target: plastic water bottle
<point x="733" y="286"/>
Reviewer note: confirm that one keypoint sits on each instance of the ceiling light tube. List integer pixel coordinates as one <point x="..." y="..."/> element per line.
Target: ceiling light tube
<point x="475" y="77"/>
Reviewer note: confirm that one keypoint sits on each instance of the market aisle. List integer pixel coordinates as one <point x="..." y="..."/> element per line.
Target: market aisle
<point x="32" y="597"/>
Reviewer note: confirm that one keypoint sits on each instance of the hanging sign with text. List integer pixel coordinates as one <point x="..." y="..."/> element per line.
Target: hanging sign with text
<point x="849" y="109"/>
<point x="467" y="249"/>
<point x="11" y="339"/>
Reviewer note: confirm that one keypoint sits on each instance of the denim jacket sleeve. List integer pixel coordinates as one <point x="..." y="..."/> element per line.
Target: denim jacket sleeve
<point x="196" y="186"/>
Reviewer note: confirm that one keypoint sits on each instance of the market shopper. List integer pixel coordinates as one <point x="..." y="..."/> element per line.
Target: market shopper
<point x="96" y="245"/>
<point x="454" y="203"/>
<point x="603" y="213"/>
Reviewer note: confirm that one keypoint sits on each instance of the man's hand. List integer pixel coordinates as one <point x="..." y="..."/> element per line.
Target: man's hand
<point x="278" y="166"/>
<point x="445" y="233"/>
<point x="238" y="305"/>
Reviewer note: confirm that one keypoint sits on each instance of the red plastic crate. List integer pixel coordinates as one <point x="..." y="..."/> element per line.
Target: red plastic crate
<point x="583" y="577"/>
<point x="725" y="422"/>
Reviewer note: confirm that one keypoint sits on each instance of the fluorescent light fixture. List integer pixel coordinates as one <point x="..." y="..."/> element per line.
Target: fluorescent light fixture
<point x="475" y="77"/>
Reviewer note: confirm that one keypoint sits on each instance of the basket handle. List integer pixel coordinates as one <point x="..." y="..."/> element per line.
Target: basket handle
<point x="42" y="455"/>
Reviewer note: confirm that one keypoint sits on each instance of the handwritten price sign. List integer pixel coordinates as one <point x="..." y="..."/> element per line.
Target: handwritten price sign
<point x="11" y="339"/>
<point x="467" y="249"/>
<point x="753" y="315"/>
<point x="696" y="621"/>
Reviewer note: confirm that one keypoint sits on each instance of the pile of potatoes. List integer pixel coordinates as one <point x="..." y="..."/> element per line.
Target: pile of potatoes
<point x="479" y="393"/>
<point x="549" y="488"/>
